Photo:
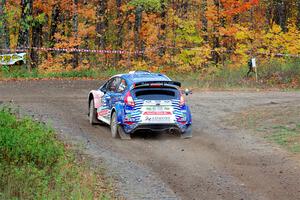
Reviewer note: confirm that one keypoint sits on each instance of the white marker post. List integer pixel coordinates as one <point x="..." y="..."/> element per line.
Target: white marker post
<point x="253" y="60"/>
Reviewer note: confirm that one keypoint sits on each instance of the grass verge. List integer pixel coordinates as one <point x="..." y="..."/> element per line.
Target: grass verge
<point x="35" y="165"/>
<point x="274" y="74"/>
<point x="21" y="72"/>
<point x="268" y="122"/>
<point x="287" y="137"/>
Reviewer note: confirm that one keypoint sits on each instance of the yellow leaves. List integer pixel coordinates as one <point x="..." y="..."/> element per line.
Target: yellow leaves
<point x="212" y="13"/>
<point x="85" y="30"/>
<point x="243" y="33"/>
<point x="66" y="42"/>
<point x="292" y="40"/>
<point x="52" y="65"/>
<point x="150" y="30"/>
<point x="241" y="54"/>
<point x="139" y="65"/>
<point x="276" y="29"/>
<point x="228" y="31"/>
<point x="87" y="12"/>
<point x="273" y="41"/>
<point x="192" y="59"/>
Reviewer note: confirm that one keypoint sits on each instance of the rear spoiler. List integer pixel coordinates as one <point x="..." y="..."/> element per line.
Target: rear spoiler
<point x="157" y="83"/>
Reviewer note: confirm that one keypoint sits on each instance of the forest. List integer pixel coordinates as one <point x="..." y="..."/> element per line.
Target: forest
<point x="160" y="35"/>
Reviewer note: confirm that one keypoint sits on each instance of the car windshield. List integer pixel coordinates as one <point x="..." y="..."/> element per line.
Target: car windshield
<point x="156" y="94"/>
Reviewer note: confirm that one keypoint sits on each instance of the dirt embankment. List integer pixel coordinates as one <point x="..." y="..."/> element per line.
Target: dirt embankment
<point x="221" y="161"/>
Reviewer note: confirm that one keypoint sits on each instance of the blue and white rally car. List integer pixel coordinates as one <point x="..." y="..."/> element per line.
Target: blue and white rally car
<point x="140" y="101"/>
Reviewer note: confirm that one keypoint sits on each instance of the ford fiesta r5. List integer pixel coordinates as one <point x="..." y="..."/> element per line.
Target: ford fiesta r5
<point x="140" y="101"/>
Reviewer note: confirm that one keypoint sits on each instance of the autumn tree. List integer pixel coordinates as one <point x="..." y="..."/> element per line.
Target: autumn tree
<point x="4" y="32"/>
<point x="54" y="21"/>
<point x="120" y="27"/>
<point x="177" y="35"/>
<point x="75" y="33"/>
<point x="37" y="24"/>
<point x="298" y="13"/>
<point x="102" y="23"/>
<point x="25" y="23"/>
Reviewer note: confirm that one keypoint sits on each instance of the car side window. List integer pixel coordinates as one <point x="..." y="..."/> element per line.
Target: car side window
<point x="113" y="84"/>
<point x="103" y="88"/>
<point x="122" y="86"/>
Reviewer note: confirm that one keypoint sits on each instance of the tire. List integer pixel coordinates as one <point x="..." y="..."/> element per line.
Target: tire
<point x="93" y="113"/>
<point x="114" y="126"/>
<point x="188" y="133"/>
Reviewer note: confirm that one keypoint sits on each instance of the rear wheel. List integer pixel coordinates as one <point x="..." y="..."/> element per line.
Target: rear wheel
<point x="93" y="113"/>
<point x="187" y="134"/>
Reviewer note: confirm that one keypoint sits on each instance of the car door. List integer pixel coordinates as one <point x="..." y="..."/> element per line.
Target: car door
<point x="109" y="98"/>
<point x="103" y="111"/>
<point x="120" y="86"/>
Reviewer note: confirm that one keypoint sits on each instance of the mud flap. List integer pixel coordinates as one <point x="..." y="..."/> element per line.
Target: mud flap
<point x="122" y="134"/>
<point x="187" y="134"/>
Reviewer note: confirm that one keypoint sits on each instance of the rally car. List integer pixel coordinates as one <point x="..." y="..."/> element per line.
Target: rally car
<point x="140" y="101"/>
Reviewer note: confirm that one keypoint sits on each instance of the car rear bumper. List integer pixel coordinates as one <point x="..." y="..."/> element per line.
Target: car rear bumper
<point x="156" y="127"/>
<point x="159" y="128"/>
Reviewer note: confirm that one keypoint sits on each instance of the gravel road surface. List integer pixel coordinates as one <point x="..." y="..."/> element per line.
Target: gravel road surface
<point x="219" y="162"/>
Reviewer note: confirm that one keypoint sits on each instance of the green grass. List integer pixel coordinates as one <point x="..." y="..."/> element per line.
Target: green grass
<point x="268" y="122"/>
<point x="287" y="137"/>
<point x="21" y="72"/>
<point x="35" y="165"/>
<point x="272" y="74"/>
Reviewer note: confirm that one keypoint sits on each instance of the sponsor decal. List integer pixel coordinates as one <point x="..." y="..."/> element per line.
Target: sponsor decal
<point x="157" y="113"/>
<point x="103" y="112"/>
<point x="157" y="119"/>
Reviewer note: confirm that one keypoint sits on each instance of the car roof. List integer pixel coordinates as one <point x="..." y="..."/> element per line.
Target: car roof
<point x="140" y="76"/>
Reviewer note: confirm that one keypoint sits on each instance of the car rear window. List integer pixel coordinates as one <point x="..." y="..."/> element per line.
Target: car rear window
<point x="156" y="94"/>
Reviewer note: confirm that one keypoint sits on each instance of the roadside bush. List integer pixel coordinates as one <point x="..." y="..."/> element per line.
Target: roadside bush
<point x="24" y="141"/>
<point x="34" y="165"/>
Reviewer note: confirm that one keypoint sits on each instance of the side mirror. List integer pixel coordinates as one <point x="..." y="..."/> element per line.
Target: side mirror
<point x="187" y="92"/>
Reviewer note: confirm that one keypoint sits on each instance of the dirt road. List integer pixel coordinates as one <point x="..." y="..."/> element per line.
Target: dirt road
<point x="219" y="162"/>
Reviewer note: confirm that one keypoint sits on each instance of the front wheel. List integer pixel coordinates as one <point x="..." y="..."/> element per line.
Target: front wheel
<point x="93" y="113"/>
<point x="114" y="126"/>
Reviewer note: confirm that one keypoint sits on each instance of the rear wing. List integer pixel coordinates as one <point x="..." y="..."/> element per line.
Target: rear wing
<point x="157" y="84"/>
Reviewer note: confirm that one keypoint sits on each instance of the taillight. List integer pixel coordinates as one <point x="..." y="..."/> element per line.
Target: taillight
<point x="182" y="100"/>
<point x="128" y="99"/>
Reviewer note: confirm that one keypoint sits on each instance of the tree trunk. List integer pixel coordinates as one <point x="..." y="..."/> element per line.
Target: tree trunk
<point x="277" y="11"/>
<point x="119" y="42"/>
<point x="280" y="14"/>
<point x="102" y="24"/>
<point x="25" y="23"/>
<point x="75" y="32"/>
<point x="4" y="32"/>
<point x="37" y="32"/>
<point x="216" y="40"/>
<point x="137" y="28"/>
<point x="184" y="9"/>
<point x="162" y="33"/>
<point x="204" y="19"/>
<point x="298" y="14"/>
<point x="54" y="23"/>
